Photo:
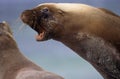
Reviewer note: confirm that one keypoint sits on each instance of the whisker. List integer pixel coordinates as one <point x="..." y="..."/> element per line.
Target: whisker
<point x="21" y="27"/>
<point x="18" y="20"/>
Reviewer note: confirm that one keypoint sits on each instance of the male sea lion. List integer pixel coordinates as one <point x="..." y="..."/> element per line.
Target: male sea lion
<point x="13" y="65"/>
<point x="93" y="33"/>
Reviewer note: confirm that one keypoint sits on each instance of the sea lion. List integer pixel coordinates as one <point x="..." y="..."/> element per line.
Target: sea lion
<point x="14" y="65"/>
<point x="93" y="33"/>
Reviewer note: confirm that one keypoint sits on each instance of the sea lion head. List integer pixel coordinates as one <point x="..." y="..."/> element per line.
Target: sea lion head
<point x="44" y="20"/>
<point x="5" y="29"/>
<point x="6" y="37"/>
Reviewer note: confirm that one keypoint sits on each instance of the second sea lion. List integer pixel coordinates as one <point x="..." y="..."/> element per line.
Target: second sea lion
<point x="13" y="64"/>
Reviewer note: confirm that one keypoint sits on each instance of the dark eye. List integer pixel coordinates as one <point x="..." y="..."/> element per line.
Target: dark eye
<point x="45" y="10"/>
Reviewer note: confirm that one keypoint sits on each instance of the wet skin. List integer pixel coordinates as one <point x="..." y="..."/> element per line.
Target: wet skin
<point x="93" y="33"/>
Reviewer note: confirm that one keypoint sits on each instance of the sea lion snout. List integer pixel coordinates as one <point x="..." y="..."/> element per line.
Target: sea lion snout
<point x="41" y="19"/>
<point x="4" y="28"/>
<point x="28" y="16"/>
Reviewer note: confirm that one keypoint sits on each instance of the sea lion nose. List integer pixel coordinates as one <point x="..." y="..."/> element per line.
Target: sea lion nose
<point x="25" y="16"/>
<point x="3" y="24"/>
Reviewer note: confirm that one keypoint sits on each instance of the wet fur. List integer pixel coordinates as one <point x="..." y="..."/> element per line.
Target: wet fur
<point x="101" y="54"/>
<point x="93" y="33"/>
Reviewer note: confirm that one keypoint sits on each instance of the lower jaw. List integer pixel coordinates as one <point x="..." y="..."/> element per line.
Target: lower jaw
<point x="41" y="37"/>
<point x="38" y="38"/>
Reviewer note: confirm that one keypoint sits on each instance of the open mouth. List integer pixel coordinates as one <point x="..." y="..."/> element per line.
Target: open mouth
<point x="32" y="22"/>
<point x="41" y="34"/>
<point x="38" y="22"/>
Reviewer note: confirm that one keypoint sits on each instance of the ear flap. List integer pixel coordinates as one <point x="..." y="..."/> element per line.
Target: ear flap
<point x="61" y="12"/>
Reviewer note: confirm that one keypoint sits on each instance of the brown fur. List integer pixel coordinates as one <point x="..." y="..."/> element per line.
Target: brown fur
<point x="93" y="33"/>
<point x="13" y="65"/>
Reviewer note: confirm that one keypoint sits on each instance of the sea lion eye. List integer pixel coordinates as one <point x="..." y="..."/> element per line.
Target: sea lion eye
<point x="45" y="10"/>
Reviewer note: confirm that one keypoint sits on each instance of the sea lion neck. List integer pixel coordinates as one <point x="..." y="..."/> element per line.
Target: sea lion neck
<point x="6" y="43"/>
<point x="95" y="50"/>
<point x="71" y="40"/>
<point x="8" y="48"/>
<point x="8" y="52"/>
<point x="6" y="60"/>
<point x="6" y="36"/>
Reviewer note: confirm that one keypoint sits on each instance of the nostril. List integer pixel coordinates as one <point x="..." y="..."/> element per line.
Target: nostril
<point x="27" y="16"/>
<point x="23" y="18"/>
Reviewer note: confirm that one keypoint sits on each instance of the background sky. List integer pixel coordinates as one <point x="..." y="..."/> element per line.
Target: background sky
<point x="50" y="55"/>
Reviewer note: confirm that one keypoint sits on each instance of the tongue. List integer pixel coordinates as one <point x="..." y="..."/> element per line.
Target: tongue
<point x="40" y="36"/>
